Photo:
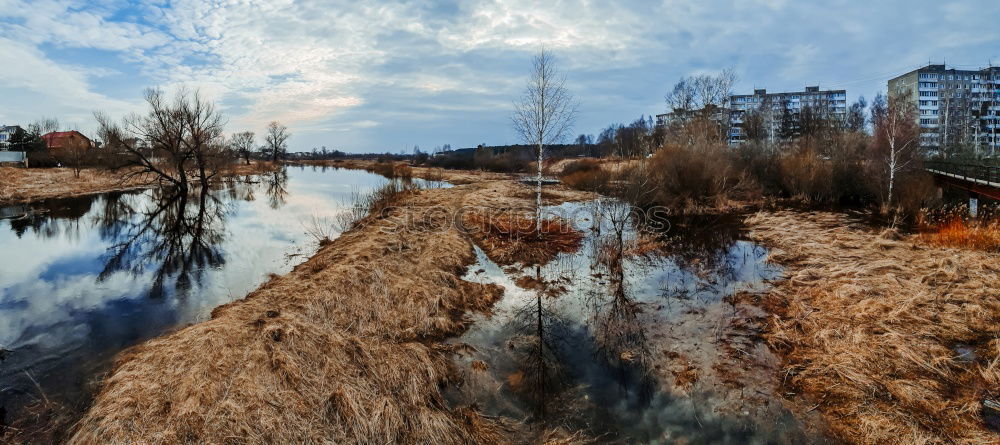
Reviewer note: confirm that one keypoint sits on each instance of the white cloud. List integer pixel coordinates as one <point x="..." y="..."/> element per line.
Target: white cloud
<point x="28" y="69"/>
<point x="327" y="66"/>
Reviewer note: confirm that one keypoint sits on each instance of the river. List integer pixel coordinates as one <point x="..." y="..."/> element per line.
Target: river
<point x="84" y="278"/>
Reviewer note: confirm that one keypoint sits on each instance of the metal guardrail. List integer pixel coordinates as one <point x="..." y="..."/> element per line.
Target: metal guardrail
<point x="968" y="172"/>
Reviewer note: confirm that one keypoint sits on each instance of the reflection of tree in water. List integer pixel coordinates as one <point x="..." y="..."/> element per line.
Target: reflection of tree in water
<point x="240" y="187"/>
<point x="618" y="332"/>
<point x="51" y="218"/>
<point x="567" y="369"/>
<point x="177" y="234"/>
<point x="534" y="349"/>
<point x="708" y="255"/>
<point x="277" y="187"/>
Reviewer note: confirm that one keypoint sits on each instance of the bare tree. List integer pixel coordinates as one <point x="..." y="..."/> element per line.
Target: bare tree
<point x="896" y="142"/>
<point x="174" y="140"/>
<point x="698" y="92"/>
<point x="682" y="98"/>
<point x="74" y="153"/>
<point x="276" y="140"/>
<point x="544" y="114"/>
<point x="243" y="143"/>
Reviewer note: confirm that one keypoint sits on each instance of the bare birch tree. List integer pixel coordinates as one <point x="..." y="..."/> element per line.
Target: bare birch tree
<point x="896" y="138"/>
<point x="544" y="114"/>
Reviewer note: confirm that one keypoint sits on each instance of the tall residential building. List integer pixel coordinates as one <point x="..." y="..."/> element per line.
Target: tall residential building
<point x="954" y="106"/>
<point x="782" y="108"/>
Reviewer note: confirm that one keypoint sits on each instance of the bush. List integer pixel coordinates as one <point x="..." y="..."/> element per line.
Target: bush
<point x="392" y="170"/>
<point x="805" y="175"/>
<point x="686" y="176"/>
<point x="586" y="174"/>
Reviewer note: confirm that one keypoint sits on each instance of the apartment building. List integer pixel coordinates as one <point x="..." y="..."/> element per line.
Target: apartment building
<point x="780" y="108"/>
<point x="953" y="106"/>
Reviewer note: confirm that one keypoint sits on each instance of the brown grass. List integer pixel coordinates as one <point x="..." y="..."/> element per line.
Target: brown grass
<point x="509" y="238"/>
<point x="24" y="185"/>
<point x="391" y="169"/>
<point x="866" y="324"/>
<point x="959" y="233"/>
<point x="344" y="349"/>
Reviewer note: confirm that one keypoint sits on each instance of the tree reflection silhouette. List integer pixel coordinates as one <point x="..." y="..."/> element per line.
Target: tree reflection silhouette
<point x="277" y="188"/>
<point x="176" y="235"/>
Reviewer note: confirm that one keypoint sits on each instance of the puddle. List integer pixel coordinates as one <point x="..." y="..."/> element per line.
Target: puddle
<point x="578" y="345"/>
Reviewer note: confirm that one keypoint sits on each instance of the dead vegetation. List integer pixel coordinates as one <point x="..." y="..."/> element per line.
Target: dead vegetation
<point x="964" y="234"/>
<point x="868" y="326"/>
<point x="341" y="350"/>
<point x="508" y="237"/>
<point x="25" y="185"/>
<point x="19" y="185"/>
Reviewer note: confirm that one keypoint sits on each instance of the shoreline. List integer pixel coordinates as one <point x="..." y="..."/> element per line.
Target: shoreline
<point x="343" y="347"/>
<point x="27" y="185"/>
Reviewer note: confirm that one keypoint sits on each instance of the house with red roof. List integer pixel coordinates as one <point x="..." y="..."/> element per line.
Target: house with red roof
<point x="60" y="141"/>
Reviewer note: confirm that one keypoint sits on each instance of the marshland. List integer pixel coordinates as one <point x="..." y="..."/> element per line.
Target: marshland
<point x="195" y="265"/>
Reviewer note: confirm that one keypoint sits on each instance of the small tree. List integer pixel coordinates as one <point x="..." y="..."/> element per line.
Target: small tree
<point x="74" y="153"/>
<point x="896" y="144"/>
<point x="276" y="140"/>
<point x="543" y="115"/>
<point x="243" y="143"/>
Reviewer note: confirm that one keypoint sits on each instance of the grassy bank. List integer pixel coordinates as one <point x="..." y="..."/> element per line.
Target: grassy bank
<point x="343" y="349"/>
<point x="876" y="328"/>
<point x="19" y="185"/>
<point x="346" y="348"/>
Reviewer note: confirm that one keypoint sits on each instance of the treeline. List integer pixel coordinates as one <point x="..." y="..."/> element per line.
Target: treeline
<point x="176" y="141"/>
<point x="688" y="164"/>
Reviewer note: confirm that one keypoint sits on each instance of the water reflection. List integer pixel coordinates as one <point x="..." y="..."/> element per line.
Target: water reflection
<point x="569" y="346"/>
<point x="176" y="235"/>
<point x="83" y="278"/>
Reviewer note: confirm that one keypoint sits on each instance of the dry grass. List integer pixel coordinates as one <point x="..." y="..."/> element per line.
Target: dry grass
<point x="391" y="169"/>
<point x="508" y="237"/>
<point x="867" y="323"/>
<point x="344" y="349"/>
<point x="962" y="234"/>
<point x="24" y="185"/>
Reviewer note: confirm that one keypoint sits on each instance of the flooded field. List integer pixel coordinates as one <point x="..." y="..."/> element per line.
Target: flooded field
<point x="83" y="278"/>
<point x="579" y="346"/>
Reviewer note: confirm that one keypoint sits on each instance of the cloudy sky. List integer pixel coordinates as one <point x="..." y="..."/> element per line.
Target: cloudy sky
<point x="370" y="76"/>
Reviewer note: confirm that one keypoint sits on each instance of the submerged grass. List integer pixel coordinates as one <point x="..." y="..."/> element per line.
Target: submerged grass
<point x="343" y="349"/>
<point x="508" y="237"/>
<point x="868" y="324"/>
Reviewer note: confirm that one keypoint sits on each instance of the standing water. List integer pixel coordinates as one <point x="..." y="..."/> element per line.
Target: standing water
<point x="83" y="278"/>
<point x="575" y="346"/>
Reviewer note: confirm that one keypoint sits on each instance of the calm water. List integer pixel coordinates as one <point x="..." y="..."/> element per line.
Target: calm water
<point x="577" y="352"/>
<point x="83" y="278"/>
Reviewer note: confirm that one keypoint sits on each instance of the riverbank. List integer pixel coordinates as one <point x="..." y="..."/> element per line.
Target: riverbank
<point x="893" y="340"/>
<point x="345" y="348"/>
<point x="22" y="185"/>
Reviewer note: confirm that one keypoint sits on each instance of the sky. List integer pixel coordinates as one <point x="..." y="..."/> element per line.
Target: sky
<point x="367" y="76"/>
